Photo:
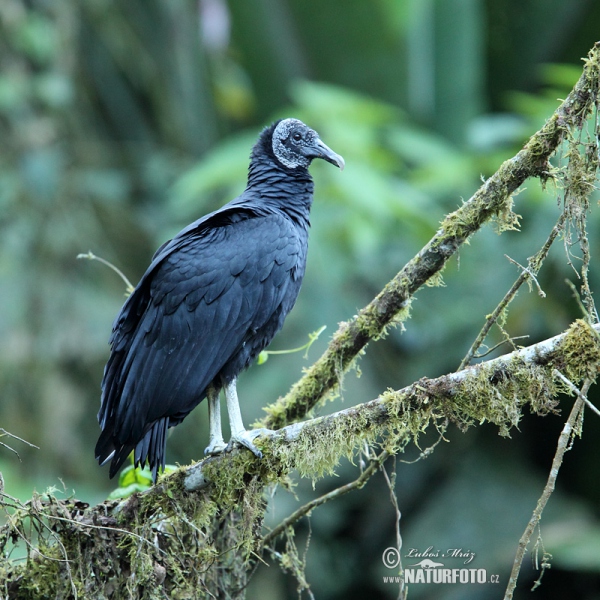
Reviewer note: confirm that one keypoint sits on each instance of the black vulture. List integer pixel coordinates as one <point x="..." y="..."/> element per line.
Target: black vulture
<point x="211" y="300"/>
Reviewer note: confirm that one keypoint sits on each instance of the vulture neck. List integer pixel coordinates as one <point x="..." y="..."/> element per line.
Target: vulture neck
<point x="288" y="190"/>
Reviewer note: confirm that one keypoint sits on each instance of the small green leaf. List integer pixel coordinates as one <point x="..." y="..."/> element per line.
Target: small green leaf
<point x="126" y="491"/>
<point x="135" y="479"/>
<point x="312" y="337"/>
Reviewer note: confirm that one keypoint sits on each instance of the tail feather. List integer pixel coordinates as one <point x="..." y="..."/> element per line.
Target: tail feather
<point x="150" y="449"/>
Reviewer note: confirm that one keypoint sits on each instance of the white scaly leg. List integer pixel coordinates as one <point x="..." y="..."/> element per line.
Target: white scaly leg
<point x="216" y="443"/>
<point x="238" y="431"/>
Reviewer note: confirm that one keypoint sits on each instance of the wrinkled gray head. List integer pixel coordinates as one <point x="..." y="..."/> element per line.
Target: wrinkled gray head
<point x="296" y="145"/>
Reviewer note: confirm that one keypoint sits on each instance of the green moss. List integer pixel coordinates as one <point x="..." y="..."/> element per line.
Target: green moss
<point x="578" y="356"/>
<point x="436" y="281"/>
<point x="506" y="219"/>
<point x="176" y="537"/>
<point x="173" y="543"/>
<point x="496" y="392"/>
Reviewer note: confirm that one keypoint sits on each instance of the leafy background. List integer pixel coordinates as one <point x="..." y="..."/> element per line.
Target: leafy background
<point x="120" y="122"/>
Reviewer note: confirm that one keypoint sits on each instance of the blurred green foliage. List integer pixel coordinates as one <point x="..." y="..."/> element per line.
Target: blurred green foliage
<point x="122" y="121"/>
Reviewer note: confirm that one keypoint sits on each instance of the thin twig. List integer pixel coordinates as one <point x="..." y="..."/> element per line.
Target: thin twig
<point x="67" y="562"/>
<point x="129" y="287"/>
<point x="534" y="264"/>
<point x="107" y="528"/>
<point x="561" y="448"/>
<point x="11" y="449"/>
<point x="509" y="340"/>
<point x="374" y="465"/>
<point x="576" y="391"/>
<point x="16" y="437"/>
<point x="577" y="298"/>
<point x="15" y="529"/>
<point x="3" y="432"/>
<point x="441" y="428"/>
<point x="530" y="272"/>
<point x="402" y="589"/>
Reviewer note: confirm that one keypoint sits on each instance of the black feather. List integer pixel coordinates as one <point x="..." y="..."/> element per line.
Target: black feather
<point x="212" y="299"/>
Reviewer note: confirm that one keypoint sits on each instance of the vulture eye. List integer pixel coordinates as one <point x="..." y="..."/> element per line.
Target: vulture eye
<point x="297" y="136"/>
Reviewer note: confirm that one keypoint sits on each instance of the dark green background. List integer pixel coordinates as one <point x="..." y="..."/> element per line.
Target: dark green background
<point x="120" y="122"/>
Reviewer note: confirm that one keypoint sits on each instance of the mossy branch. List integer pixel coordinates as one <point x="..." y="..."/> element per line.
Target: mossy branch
<point x="198" y="529"/>
<point x="492" y="199"/>
<point x="494" y="391"/>
<point x="150" y="533"/>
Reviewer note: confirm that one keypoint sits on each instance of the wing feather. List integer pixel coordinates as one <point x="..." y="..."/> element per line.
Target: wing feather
<point x="206" y="306"/>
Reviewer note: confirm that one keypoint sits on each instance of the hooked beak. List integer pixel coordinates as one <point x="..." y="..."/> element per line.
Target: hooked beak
<point x="321" y="150"/>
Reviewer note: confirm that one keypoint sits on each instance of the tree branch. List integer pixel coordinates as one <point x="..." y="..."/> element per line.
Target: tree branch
<point x="534" y="265"/>
<point x="374" y="464"/>
<point x="567" y="434"/>
<point x="494" y="391"/>
<point x="186" y="529"/>
<point x="492" y="199"/>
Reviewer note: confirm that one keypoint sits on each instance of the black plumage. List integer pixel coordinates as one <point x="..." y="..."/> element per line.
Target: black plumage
<point x="212" y="299"/>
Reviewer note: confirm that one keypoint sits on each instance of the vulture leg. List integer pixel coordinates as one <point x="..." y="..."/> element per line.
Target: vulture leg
<point x="216" y="444"/>
<point x="238" y="431"/>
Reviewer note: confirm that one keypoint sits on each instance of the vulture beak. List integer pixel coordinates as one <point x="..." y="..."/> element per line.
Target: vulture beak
<point x="321" y="150"/>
